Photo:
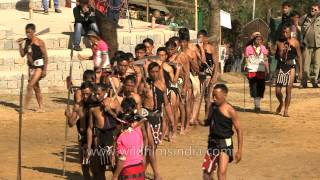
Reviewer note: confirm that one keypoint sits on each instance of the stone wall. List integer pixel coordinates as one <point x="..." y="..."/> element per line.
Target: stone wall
<point x="12" y="66"/>
<point x="11" y="70"/>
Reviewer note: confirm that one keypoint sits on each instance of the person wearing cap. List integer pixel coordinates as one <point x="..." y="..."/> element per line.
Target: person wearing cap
<point x="257" y="66"/>
<point x="99" y="56"/>
<point x="85" y="20"/>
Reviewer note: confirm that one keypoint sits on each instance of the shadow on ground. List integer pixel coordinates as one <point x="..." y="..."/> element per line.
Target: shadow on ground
<point x="9" y="104"/>
<point x="71" y="175"/>
<point x="241" y="109"/>
<point x="72" y="154"/>
<point x="61" y="100"/>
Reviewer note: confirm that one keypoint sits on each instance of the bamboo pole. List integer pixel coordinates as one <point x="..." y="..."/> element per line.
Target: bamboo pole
<point x="20" y="129"/>
<point x="51" y="4"/>
<point x="148" y="10"/>
<point x="30" y="9"/>
<point x="253" y="9"/>
<point x="196" y="15"/>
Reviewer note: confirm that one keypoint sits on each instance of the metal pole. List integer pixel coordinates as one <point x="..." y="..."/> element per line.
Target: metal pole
<point x="254" y="10"/>
<point x="196" y="15"/>
<point x="20" y="129"/>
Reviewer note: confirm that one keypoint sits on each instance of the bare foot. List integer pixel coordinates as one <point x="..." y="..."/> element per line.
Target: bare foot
<point x="193" y="122"/>
<point x="157" y="177"/>
<point x="148" y="175"/>
<point x="182" y="132"/>
<point x="187" y="129"/>
<point x="40" y="110"/>
<point x="279" y="108"/>
<point x="160" y="143"/>
<point x="285" y="114"/>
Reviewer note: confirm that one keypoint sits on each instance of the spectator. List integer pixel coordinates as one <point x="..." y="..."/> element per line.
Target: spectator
<point x="100" y="56"/>
<point x="286" y="11"/>
<point x="85" y="20"/>
<point x="45" y="4"/>
<point x="158" y="18"/>
<point x="256" y="56"/>
<point x="295" y="27"/>
<point x="113" y="11"/>
<point x="311" y="40"/>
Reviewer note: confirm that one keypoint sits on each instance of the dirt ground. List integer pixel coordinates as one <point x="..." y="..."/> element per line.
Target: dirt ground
<point x="274" y="147"/>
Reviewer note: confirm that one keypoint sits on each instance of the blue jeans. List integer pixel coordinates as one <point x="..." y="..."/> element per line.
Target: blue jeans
<point x="79" y="29"/>
<point x="114" y="14"/>
<point x="45" y="4"/>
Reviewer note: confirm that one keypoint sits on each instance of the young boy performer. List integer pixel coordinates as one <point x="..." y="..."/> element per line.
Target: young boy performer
<point x="222" y="118"/>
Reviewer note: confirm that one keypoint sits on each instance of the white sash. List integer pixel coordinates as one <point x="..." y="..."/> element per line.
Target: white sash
<point x="38" y="62"/>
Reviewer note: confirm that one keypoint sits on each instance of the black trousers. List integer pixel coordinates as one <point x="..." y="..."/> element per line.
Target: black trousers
<point x="257" y="87"/>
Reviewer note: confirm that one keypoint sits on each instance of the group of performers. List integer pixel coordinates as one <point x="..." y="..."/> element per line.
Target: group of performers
<point x="128" y="104"/>
<point x="131" y="104"/>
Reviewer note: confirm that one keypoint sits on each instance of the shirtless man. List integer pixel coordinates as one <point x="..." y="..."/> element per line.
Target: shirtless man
<point x="183" y="80"/>
<point x="222" y="119"/>
<point x="128" y="91"/>
<point x="80" y="116"/>
<point x="100" y="132"/>
<point x="288" y="54"/>
<point x="166" y="75"/>
<point x="154" y="99"/>
<point x="37" y="60"/>
<point x="193" y="95"/>
<point x="140" y="53"/>
<point x="169" y="75"/>
<point x="123" y="69"/>
<point x="149" y="44"/>
<point x="212" y="62"/>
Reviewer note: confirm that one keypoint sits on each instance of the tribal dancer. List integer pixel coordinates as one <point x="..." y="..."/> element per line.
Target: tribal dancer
<point x="194" y="94"/>
<point x="222" y="119"/>
<point x="154" y="99"/>
<point x="180" y="58"/>
<point x="80" y="117"/>
<point x="288" y="54"/>
<point x="170" y="75"/>
<point x="37" y="57"/>
<point x="101" y="132"/>
<point x="209" y="71"/>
